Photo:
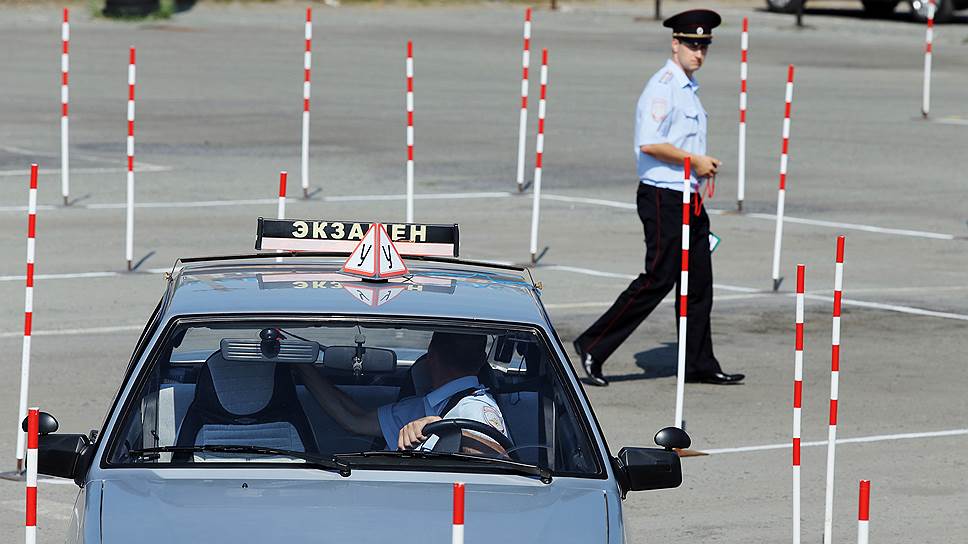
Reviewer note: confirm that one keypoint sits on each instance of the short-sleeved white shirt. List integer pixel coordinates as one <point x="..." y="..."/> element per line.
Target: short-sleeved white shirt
<point x="669" y="111"/>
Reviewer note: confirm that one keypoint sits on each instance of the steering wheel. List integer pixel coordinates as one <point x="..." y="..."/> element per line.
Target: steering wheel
<point x="453" y="427"/>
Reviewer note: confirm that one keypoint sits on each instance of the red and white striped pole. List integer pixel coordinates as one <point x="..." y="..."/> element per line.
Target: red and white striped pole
<point x="281" y="210"/>
<point x="28" y="314"/>
<point x="928" y="47"/>
<point x="307" y="82"/>
<point x="741" y="174"/>
<point x="33" y="432"/>
<point x="539" y="154"/>
<point x="523" y="123"/>
<point x="65" y="69"/>
<point x="409" y="132"/>
<point x="864" y="512"/>
<point x="129" y="217"/>
<point x="457" y="535"/>
<point x="781" y="195"/>
<point x="797" y="402"/>
<point x="828" y="518"/>
<point x="683" y="290"/>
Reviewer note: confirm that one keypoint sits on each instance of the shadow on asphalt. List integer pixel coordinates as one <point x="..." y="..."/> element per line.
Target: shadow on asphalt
<point x="657" y="362"/>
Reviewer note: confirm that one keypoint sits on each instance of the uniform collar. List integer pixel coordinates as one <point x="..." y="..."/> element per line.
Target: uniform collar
<point x="436" y="399"/>
<point x="680" y="76"/>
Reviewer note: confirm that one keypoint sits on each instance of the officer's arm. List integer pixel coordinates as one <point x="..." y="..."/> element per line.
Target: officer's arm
<point x="347" y="413"/>
<point x="665" y="152"/>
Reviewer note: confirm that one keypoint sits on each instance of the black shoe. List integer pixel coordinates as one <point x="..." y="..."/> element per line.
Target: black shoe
<point x="716" y="378"/>
<point x="593" y="368"/>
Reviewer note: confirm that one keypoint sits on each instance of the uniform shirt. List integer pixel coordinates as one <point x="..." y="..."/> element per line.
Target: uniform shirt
<point x="669" y="112"/>
<point x="480" y="406"/>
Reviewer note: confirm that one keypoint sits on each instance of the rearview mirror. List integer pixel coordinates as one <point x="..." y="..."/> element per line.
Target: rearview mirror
<point x="360" y="360"/>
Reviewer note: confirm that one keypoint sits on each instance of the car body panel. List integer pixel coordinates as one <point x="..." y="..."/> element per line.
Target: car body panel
<point x="210" y="504"/>
<point x="300" y="505"/>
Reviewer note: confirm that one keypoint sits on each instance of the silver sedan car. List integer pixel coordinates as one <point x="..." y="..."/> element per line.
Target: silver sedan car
<point x="267" y="398"/>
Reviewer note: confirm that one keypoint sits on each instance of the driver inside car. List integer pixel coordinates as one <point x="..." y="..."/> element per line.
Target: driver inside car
<point x="452" y="362"/>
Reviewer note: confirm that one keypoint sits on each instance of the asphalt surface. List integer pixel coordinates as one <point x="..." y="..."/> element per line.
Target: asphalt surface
<point x="218" y="115"/>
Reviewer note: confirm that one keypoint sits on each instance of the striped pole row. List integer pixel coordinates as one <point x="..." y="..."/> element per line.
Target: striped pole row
<point x="781" y="195"/>
<point x="409" y="132"/>
<point x="864" y="512"/>
<point x="928" y="47"/>
<point x="797" y="402"/>
<point x="523" y="123"/>
<point x="65" y="70"/>
<point x="539" y="154"/>
<point x="307" y="82"/>
<point x="28" y="314"/>
<point x="743" y="68"/>
<point x="683" y="290"/>
<point x="129" y="218"/>
<point x="828" y="518"/>
<point x="457" y="534"/>
<point x="33" y="430"/>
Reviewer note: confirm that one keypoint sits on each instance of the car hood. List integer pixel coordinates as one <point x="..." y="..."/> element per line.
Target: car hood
<point x="370" y="506"/>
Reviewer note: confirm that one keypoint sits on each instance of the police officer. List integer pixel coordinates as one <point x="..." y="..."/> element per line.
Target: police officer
<point x="670" y="125"/>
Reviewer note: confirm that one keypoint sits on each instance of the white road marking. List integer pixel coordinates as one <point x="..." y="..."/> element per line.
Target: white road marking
<point x="70" y="332"/>
<point x="951" y="121"/>
<point x="892" y="308"/>
<point x="668" y="300"/>
<point x="847" y="302"/>
<point x="140" y="167"/>
<point x="858" y="440"/>
<point x="442" y="196"/>
<point x="262" y="201"/>
<point x="76" y="275"/>
<point x="769" y="217"/>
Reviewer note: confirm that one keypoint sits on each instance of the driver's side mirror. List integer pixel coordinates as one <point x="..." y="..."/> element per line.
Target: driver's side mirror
<point x="62" y="455"/>
<point x="641" y="469"/>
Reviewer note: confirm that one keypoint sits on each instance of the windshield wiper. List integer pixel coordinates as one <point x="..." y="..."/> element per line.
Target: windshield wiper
<point x="493" y="462"/>
<point x="317" y="461"/>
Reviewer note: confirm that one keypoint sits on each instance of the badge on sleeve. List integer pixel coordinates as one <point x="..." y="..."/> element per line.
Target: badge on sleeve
<point x="660" y="108"/>
<point x="493" y="418"/>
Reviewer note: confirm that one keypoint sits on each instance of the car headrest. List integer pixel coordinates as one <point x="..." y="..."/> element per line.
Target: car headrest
<point x="242" y="388"/>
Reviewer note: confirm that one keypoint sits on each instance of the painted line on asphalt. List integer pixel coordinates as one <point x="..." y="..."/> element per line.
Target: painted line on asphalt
<point x="770" y="217"/>
<point x="262" y="201"/>
<point x="77" y="275"/>
<point x="847" y="301"/>
<point x="891" y="307"/>
<point x="72" y="332"/>
<point x="139" y="167"/>
<point x="668" y="300"/>
<point x="858" y="440"/>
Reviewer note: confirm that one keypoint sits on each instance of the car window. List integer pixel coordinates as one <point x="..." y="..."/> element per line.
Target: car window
<point x="334" y="388"/>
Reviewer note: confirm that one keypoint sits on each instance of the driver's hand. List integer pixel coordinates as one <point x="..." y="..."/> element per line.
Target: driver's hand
<point x="411" y="435"/>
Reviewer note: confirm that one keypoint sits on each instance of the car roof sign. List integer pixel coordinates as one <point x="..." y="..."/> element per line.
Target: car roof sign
<point x="310" y="235"/>
<point x="375" y="256"/>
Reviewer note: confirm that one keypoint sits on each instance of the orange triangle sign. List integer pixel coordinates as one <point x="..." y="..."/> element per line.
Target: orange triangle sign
<point x="375" y="256"/>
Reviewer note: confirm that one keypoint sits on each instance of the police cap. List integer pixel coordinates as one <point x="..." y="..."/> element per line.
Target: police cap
<point x="694" y="25"/>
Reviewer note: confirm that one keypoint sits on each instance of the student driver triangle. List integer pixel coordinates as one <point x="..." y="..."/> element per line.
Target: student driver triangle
<point x="375" y="256"/>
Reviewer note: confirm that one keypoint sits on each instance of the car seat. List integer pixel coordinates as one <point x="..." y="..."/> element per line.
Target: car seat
<point x="246" y="403"/>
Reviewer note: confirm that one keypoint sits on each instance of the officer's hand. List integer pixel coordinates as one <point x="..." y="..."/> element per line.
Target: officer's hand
<point x="704" y="166"/>
<point x="411" y="435"/>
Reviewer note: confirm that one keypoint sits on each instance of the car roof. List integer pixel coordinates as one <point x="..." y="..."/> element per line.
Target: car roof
<point x="315" y="285"/>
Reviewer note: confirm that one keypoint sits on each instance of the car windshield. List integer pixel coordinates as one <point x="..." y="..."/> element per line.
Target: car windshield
<point x="236" y="392"/>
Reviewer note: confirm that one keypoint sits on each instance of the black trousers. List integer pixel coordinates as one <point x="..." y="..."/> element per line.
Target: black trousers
<point x="661" y="213"/>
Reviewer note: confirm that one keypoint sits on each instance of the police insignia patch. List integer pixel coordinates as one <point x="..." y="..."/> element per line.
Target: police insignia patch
<point x="493" y="418"/>
<point x="666" y="77"/>
<point x="660" y="108"/>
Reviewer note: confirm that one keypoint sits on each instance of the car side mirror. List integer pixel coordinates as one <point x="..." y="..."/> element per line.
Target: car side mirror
<point x="62" y="455"/>
<point x="45" y="422"/>
<point x="641" y="469"/>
